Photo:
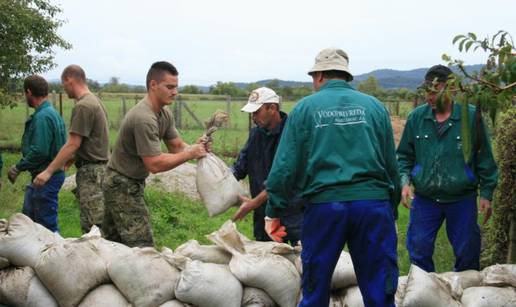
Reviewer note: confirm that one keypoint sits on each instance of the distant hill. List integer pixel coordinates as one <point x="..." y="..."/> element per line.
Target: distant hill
<point x="387" y="78"/>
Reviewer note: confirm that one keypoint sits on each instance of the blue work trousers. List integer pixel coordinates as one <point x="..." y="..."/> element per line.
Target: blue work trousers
<point x="427" y="216"/>
<point x="367" y="226"/>
<point x="40" y="204"/>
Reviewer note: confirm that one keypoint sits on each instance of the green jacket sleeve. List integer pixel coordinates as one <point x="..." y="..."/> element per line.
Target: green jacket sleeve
<point x="487" y="170"/>
<point x="280" y="181"/>
<point x="38" y="150"/>
<point x="406" y="153"/>
<point x="392" y="164"/>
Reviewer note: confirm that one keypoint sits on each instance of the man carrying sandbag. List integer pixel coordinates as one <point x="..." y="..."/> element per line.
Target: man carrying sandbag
<point x="255" y="160"/>
<point x="338" y="151"/>
<point x="43" y="137"/>
<point x="137" y="152"/>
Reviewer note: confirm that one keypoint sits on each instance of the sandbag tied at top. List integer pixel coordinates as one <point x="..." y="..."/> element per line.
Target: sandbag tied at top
<point x="144" y="277"/>
<point x="427" y="290"/>
<point x="205" y="253"/>
<point x="21" y="287"/>
<point x="273" y="273"/>
<point x="217" y="186"/>
<point x="22" y="240"/>
<point x="208" y="285"/>
<point x="499" y="275"/>
<point x="70" y="270"/>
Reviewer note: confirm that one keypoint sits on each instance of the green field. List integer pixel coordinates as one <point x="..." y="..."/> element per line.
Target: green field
<point x="175" y="218"/>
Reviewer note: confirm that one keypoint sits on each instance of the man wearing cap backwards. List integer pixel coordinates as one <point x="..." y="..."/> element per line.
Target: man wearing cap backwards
<point x="255" y="160"/>
<point x="87" y="145"/>
<point x="137" y="152"/>
<point x="338" y="151"/>
<point x="430" y="157"/>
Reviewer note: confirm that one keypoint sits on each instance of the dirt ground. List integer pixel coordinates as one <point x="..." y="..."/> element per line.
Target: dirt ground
<point x="182" y="178"/>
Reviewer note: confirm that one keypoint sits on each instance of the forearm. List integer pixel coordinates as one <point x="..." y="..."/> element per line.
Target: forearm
<point x="64" y="155"/>
<point x="168" y="161"/>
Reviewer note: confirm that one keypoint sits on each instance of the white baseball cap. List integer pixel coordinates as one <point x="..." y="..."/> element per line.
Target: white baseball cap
<point x="331" y="59"/>
<point x="258" y="97"/>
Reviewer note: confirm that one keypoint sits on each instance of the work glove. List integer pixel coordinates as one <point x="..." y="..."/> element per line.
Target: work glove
<point x="274" y="229"/>
<point x="12" y="174"/>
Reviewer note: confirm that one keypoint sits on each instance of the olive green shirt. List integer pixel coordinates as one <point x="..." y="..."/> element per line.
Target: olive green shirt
<point x="89" y="120"/>
<point x="140" y="135"/>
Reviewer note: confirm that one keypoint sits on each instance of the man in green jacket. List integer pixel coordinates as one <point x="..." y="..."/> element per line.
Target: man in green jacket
<point x="1" y="166"/>
<point x="446" y="186"/>
<point x="44" y="135"/>
<point x="337" y="150"/>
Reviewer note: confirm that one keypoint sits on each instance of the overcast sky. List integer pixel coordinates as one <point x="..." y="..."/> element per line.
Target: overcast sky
<point x="231" y="40"/>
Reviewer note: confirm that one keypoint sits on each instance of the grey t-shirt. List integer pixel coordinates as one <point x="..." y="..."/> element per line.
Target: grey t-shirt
<point x="89" y="120"/>
<point x="140" y="135"/>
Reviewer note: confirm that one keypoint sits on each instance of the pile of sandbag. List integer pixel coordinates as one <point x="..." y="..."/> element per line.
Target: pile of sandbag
<point x="40" y="268"/>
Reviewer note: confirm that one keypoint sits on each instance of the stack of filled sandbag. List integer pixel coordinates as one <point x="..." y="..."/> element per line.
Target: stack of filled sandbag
<point x="40" y="268"/>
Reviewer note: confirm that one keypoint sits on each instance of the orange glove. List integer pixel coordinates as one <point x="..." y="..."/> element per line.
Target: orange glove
<point x="274" y="229"/>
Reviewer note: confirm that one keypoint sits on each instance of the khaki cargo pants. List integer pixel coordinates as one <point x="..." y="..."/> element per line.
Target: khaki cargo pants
<point x="126" y="218"/>
<point x="89" y="179"/>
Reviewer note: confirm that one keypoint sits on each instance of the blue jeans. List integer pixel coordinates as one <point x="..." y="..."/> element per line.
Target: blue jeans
<point x="368" y="228"/>
<point x="427" y="216"/>
<point x="41" y="204"/>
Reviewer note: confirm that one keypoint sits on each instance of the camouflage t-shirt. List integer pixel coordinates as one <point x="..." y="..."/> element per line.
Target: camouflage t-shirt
<point x="89" y="120"/>
<point x="140" y="135"/>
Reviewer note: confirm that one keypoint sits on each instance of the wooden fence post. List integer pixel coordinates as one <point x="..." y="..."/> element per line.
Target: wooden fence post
<point x="228" y="104"/>
<point x="61" y="104"/>
<point x="54" y="99"/>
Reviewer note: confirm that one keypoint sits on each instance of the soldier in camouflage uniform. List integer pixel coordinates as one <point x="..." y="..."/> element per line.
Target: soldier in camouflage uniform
<point x="88" y="143"/>
<point x="137" y="152"/>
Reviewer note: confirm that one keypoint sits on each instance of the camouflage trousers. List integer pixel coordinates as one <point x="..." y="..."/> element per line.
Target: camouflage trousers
<point x="127" y="218"/>
<point x="89" y="179"/>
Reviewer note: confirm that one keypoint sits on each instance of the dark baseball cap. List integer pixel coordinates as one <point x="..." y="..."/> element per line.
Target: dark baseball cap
<point x="440" y="72"/>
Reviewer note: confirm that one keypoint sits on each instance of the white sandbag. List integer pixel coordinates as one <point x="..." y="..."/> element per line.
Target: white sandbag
<point x="70" y="270"/>
<point x="144" y="277"/>
<point x="21" y="240"/>
<point x="499" y="275"/>
<point x="465" y="279"/>
<point x="400" y="291"/>
<point x="106" y="249"/>
<point x="205" y="253"/>
<point x="344" y="273"/>
<point x="254" y="297"/>
<point x="217" y="186"/>
<point x="291" y="253"/>
<point x="104" y="296"/>
<point x="353" y="297"/>
<point x="208" y="285"/>
<point x="4" y="263"/>
<point x="489" y="297"/>
<point x="274" y="274"/>
<point x="427" y="290"/>
<point x="21" y="287"/>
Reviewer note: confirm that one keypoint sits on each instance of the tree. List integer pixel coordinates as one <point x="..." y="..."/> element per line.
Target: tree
<point x="190" y="89"/>
<point x="28" y="36"/>
<point x="372" y="87"/>
<point x="227" y="88"/>
<point x="492" y="89"/>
